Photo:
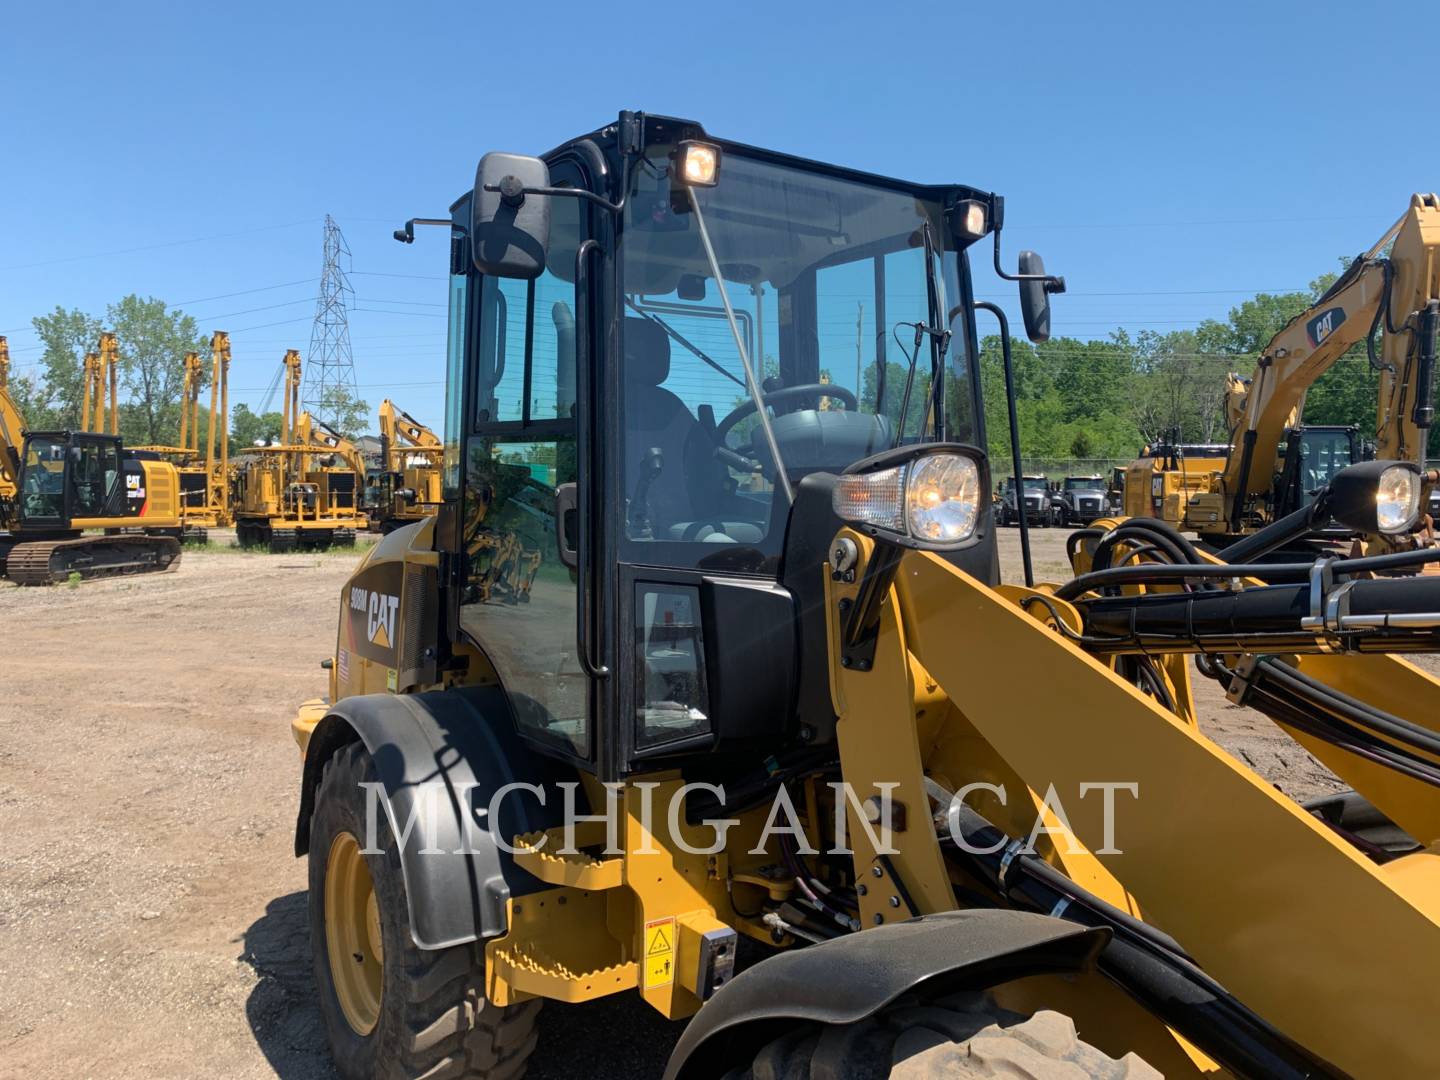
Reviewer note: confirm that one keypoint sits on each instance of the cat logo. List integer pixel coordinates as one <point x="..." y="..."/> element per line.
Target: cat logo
<point x="380" y="619"/>
<point x="379" y="611"/>
<point x="1323" y="325"/>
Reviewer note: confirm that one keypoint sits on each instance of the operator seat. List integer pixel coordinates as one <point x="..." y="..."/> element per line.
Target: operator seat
<point x="684" y="499"/>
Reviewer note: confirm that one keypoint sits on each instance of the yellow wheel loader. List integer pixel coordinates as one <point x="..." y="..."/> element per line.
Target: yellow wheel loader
<point x="769" y="684"/>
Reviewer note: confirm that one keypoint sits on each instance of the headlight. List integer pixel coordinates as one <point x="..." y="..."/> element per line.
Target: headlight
<point x="1375" y="496"/>
<point x="933" y="499"/>
<point x="1397" y="499"/>
<point x="942" y="498"/>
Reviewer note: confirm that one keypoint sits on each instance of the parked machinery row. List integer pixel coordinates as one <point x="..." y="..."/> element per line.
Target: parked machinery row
<point x="82" y="502"/>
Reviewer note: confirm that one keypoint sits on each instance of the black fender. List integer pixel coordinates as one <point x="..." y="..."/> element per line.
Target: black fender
<point x="466" y="740"/>
<point x="850" y="978"/>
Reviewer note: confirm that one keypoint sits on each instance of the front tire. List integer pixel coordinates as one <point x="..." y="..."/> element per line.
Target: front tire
<point x="964" y="1037"/>
<point x="392" y="1010"/>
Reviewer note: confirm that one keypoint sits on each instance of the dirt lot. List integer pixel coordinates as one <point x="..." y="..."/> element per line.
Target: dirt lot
<point x="152" y="915"/>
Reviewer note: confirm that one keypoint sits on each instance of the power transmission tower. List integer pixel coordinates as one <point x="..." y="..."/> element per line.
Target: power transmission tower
<point x="330" y="391"/>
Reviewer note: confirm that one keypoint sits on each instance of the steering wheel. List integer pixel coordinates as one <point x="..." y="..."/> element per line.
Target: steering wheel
<point x="785" y="393"/>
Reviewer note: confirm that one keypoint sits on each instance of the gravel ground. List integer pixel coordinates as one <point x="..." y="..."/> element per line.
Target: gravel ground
<point x="152" y="914"/>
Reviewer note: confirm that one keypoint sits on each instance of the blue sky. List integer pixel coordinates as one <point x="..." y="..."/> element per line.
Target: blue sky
<point x="1167" y="160"/>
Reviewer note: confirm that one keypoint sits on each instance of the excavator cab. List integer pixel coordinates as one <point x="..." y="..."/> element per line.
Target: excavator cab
<point x="66" y="476"/>
<point x="1310" y="458"/>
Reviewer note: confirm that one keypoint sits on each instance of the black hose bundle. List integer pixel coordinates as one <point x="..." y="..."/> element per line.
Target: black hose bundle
<point x="1294" y="699"/>
<point x="1142" y="960"/>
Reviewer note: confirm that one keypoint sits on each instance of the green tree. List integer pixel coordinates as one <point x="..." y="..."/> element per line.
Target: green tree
<point x="57" y="396"/>
<point x="344" y="412"/>
<point x="248" y="428"/>
<point x="153" y="341"/>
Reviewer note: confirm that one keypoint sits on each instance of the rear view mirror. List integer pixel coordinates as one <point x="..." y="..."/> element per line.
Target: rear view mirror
<point x="510" y="230"/>
<point x="1034" y="298"/>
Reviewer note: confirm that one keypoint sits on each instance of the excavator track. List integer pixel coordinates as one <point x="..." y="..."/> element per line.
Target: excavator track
<point x="50" y="562"/>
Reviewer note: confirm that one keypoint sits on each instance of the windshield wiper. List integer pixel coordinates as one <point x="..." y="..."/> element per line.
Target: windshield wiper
<point x="676" y="336"/>
<point x="939" y="343"/>
<point x="752" y="383"/>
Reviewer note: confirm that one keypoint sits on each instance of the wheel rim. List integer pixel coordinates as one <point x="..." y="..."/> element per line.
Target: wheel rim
<point x="352" y="934"/>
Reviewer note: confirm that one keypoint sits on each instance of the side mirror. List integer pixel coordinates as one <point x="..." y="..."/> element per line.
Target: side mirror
<point x="1034" y="298"/>
<point x="74" y="455"/>
<point x="510" y="230"/>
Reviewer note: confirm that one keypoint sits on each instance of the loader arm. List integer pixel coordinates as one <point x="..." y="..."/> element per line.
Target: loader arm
<point x="1407" y="284"/>
<point x="1252" y="887"/>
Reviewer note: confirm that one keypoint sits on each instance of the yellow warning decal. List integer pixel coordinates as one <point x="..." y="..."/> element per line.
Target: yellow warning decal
<point x="659" y="953"/>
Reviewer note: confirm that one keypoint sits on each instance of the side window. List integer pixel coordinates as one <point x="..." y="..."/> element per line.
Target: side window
<point x="501" y="353"/>
<point x="552" y="363"/>
<point x="92" y="477"/>
<point x="455" y="378"/>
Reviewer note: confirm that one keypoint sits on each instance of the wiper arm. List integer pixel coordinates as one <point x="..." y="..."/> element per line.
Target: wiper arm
<point x="939" y="342"/>
<point x="678" y="337"/>
<point x="752" y="383"/>
<point x="939" y="334"/>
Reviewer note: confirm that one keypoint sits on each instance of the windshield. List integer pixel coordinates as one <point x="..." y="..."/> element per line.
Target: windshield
<point x="1084" y="483"/>
<point x="826" y="278"/>
<point x="42" y="485"/>
<point x="1322" y="455"/>
<point x="1035" y="483"/>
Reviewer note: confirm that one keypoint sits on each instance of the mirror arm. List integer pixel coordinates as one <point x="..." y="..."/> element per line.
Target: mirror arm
<point x="407" y="234"/>
<point x="514" y="195"/>
<point x="1053" y="284"/>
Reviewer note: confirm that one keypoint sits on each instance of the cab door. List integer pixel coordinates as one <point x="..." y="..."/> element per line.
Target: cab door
<point x="513" y="470"/>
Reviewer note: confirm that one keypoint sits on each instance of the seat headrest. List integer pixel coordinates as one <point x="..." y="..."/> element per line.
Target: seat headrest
<point x="647" y="351"/>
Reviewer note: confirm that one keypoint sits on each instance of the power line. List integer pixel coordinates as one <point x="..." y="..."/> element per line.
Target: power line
<point x="156" y="247"/>
<point x="242" y="292"/>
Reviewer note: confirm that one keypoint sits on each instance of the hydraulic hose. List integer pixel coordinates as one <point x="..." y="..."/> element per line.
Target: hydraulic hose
<point x="1145" y="963"/>
<point x="1292" y="698"/>
<point x="1382" y="615"/>
<point x="1274" y="573"/>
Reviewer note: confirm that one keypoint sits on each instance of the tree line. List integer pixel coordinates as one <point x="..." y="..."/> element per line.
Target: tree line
<point x="1074" y="398"/>
<point x="1109" y="398"/>
<point x="152" y="340"/>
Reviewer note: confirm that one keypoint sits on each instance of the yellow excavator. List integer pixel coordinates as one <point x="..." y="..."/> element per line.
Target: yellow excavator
<point x="72" y="484"/>
<point x="408" y="486"/>
<point x="303" y="491"/>
<point x="1274" y="464"/>
<point x="12" y="428"/>
<point x="971" y="826"/>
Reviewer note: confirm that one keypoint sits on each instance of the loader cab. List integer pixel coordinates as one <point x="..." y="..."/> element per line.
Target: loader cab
<point x="637" y="551"/>
<point x="69" y="476"/>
